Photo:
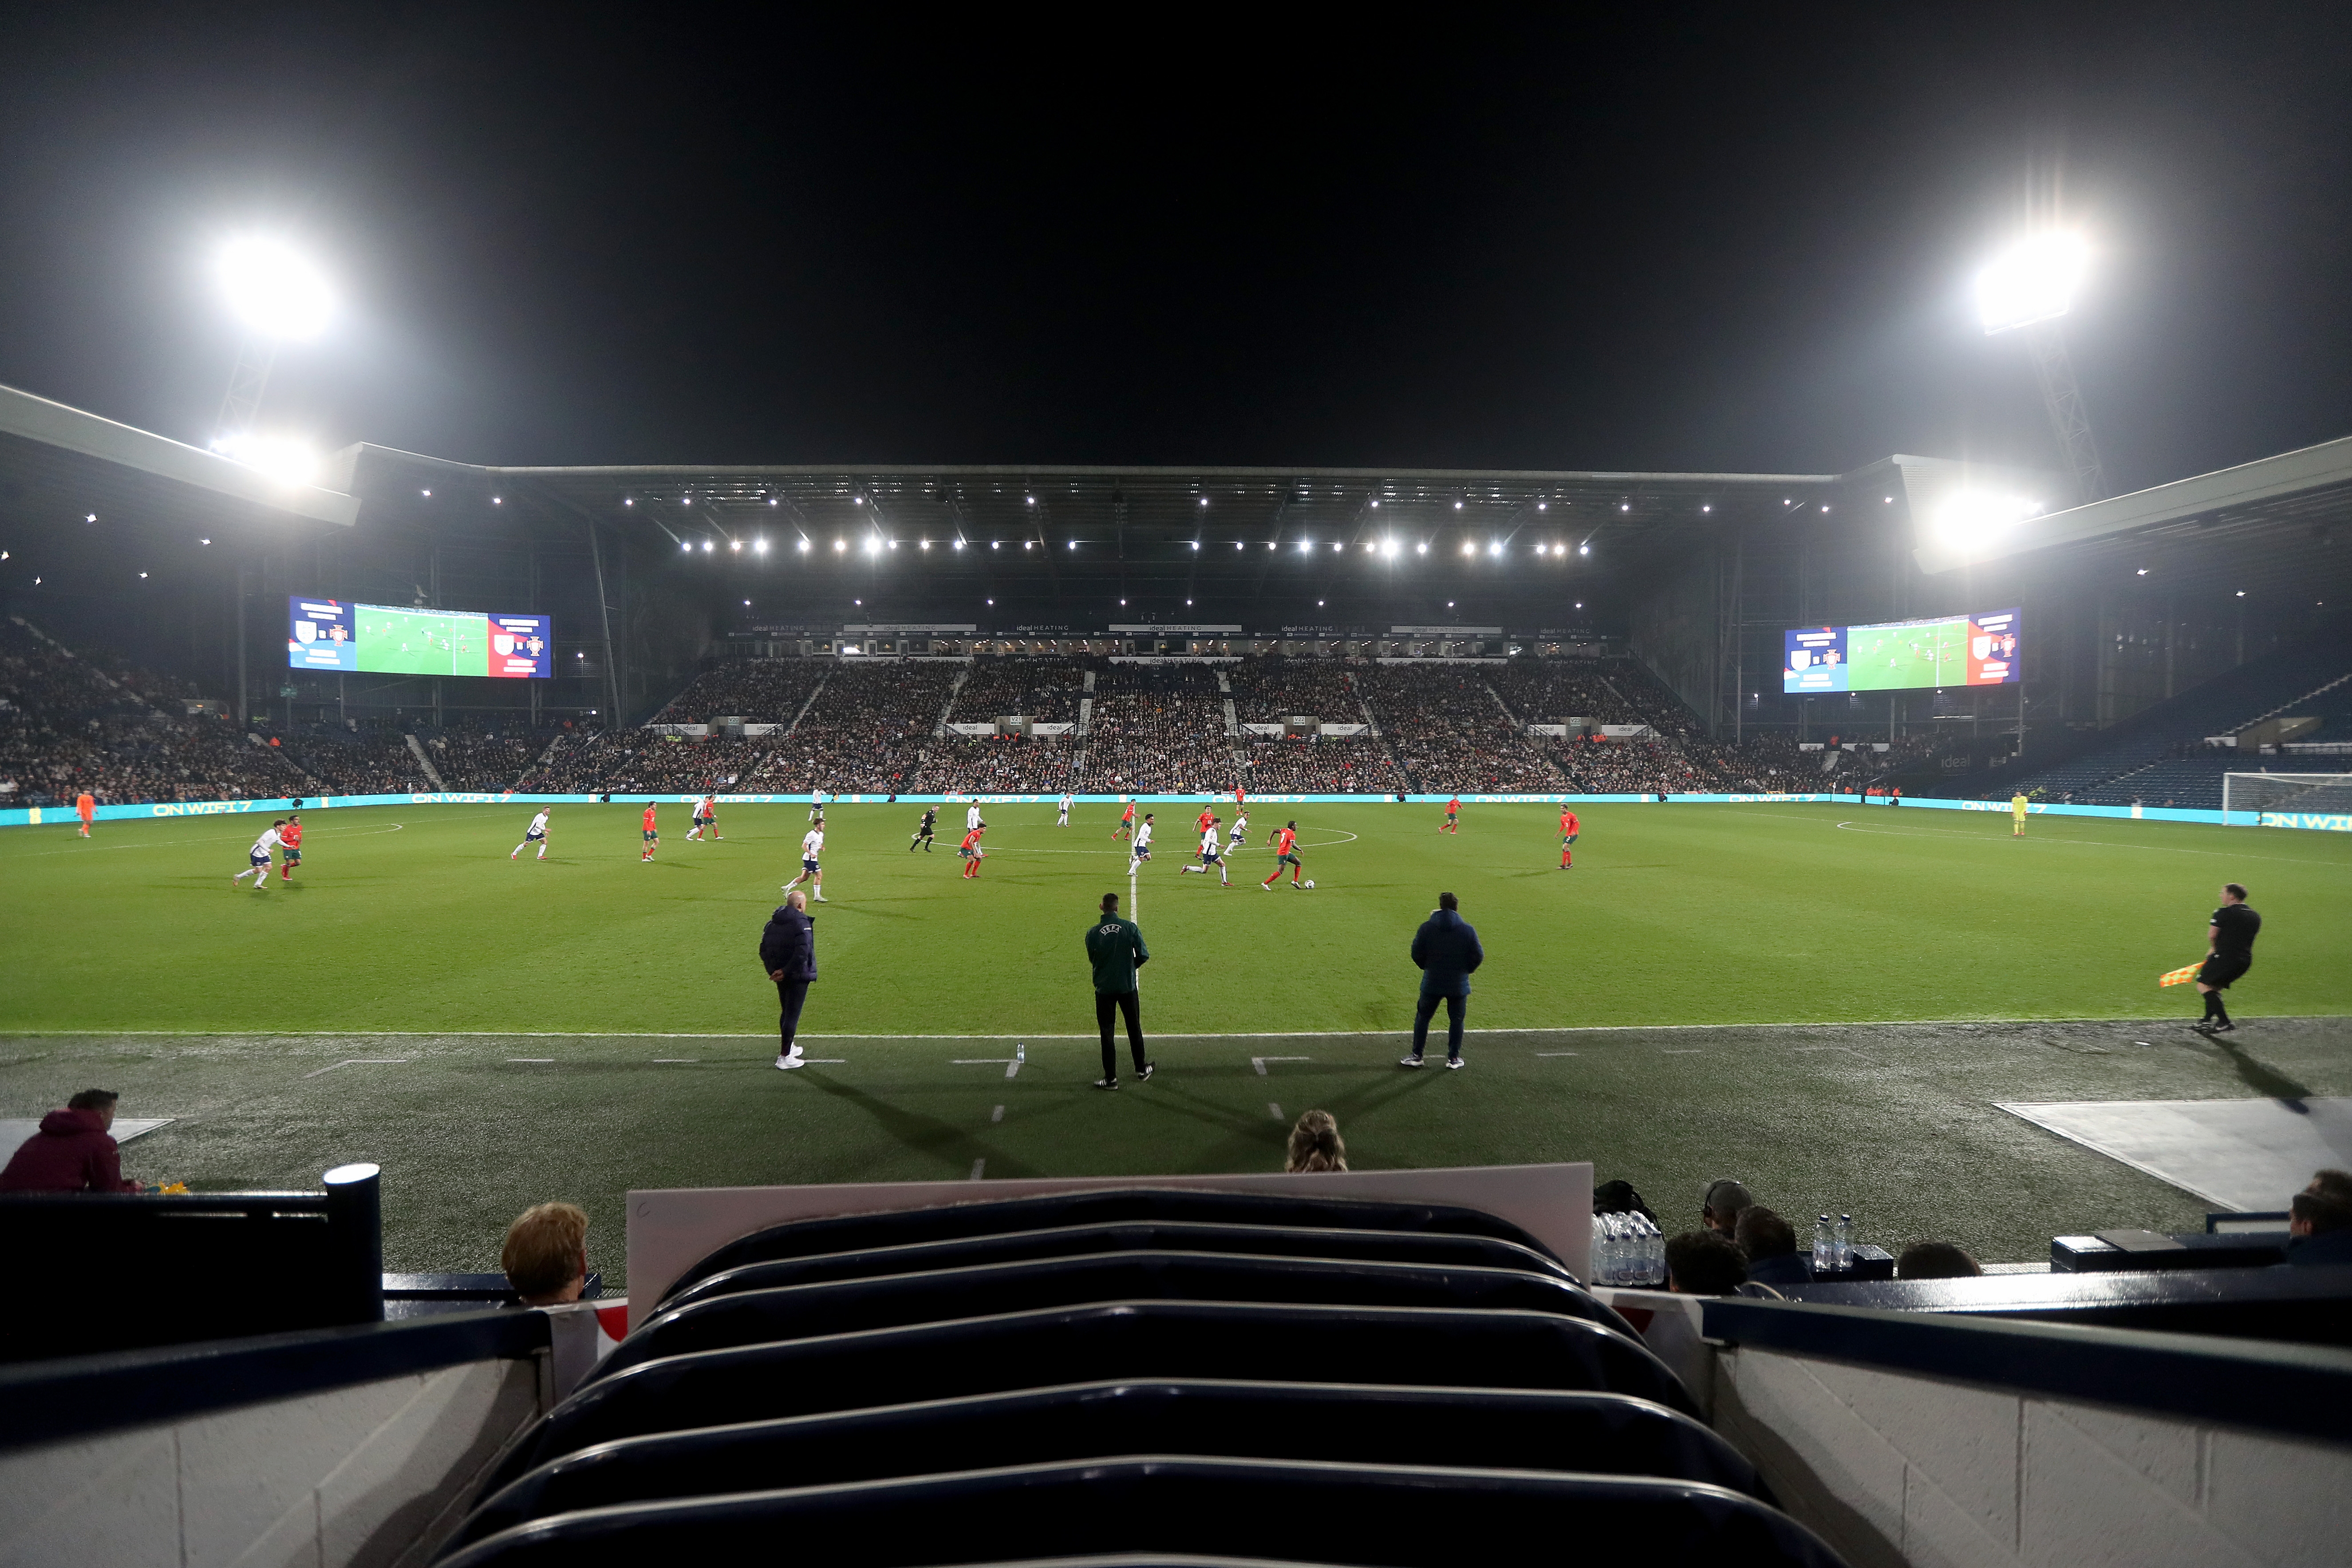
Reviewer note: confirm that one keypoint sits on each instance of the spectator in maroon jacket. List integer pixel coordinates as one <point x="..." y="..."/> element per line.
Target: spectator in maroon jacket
<point x="72" y="1153"/>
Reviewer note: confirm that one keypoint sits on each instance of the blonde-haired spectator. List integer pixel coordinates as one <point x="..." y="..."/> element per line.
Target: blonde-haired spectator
<point x="1316" y="1144"/>
<point x="546" y="1254"/>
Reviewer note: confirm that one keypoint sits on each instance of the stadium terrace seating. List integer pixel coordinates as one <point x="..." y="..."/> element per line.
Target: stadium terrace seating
<point x="1129" y="1371"/>
<point x="866" y="732"/>
<point x="2121" y="766"/>
<point x="1450" y="731"/>
<point x="1045" y="690"/>
<point x="1158" y="729"/>
<point x="757" y="690"/>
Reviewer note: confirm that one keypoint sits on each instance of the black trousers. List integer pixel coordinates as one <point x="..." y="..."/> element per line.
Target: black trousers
<point x="1131" y="1003"/>
<point x="1426" y="1009"/>
<point x="792" y="995"/>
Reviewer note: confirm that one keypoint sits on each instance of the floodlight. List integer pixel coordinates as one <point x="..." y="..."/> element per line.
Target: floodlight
<point x="858" y="501"/>
<point x="1421" y="549"/>
<point x="1457" y="505"/>
<point x="804" y="544"/>
<point x="1074" y="545"/>
<point x="1196" y="544"/>
<point x="1543" y="506"/>
<point x="760" y="547"/>
<point x="273" y="290"/>
<point x="1469" y="549"/>
<point x="734" y="544"/>
<point x="1496" y="548"/>
<point x="1204" y="500"/>
<point x="2032" y="281"/>
<point x="1584" y="550"/>
<point x="1376" y="505"/>
<point x="1337" y="546"/>
<point x="706" y="547"/>
<point x="498" y="500"/>
<point x="1707" y="509"/>
<point x="1971" y="518"/>
<point x="281" y="457"/>
<point x="686" y="544"/>
<point x="841" y="544"/>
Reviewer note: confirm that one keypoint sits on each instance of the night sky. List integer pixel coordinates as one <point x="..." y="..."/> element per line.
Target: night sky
<point x="1723" y="241"/>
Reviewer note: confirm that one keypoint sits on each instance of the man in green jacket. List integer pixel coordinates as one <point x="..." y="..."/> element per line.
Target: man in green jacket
<point x="1115" y="947"/>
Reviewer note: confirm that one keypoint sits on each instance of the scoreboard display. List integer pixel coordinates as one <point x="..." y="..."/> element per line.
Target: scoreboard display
<point x="1903" y="656"/>
<point x="335" y="634"/>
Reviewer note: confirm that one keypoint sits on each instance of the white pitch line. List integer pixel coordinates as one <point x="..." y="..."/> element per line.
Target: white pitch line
<point x="536" y="1061"/>
<point x="1687" y="1053"/>
<point x="977" y="1167"/>
<point x="1274" y="1109"/>
<point x="997" y="1115"/>
<point x="676" y="1061"/>
<point x="360" y="1062"/>
<point x="1259" y="1062"/>
<point x="1556" y="1053"/>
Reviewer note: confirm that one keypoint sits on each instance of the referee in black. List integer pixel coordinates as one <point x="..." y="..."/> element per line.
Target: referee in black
<point x="1115" y="948"/>
<point x="2229" y="953"/>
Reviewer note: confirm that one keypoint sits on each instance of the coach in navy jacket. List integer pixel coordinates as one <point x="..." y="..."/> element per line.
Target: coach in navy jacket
<point x="788" y="953"/>
<point x="1446" y="951"/>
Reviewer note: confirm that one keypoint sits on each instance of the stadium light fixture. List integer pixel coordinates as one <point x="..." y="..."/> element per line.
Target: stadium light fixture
<point x="1705" y="508"/>
<point x="706" y="547"/>
<point x="2141" y="572"/>
<point x="2033" y="280"/>
<point x="1449" y="603"/>
<point x="1204" y="500"/>
<point x="858" y="501"/>
<point x="1584" y="550"/>
<point x="281" y="457"/>
<point x="840" y="544"/>
<point x="771" y="500"/>
<point x="1543" y="506"/>
<point x="1305" y="545"/>
<point x="1975" y="518"/>
<point x="1890" y="500"/>
<point x="926" y="544"/>
<point x="804" y="544"/>
<point x="959" y="544"/>
<point x="1074" y="545"/>
<point x="628" y="501"/>
<point x="1376" y="503"/>
<point x="1269" y="544"/>
<point x="498" y="500"/>
<point x="1033" y="500"/>
<point x="686" y="544"/>
<point x="1468" y="549"/>
<point x="274" y="290"/>
<point x="1421" y="549"/>
<point x="1457" y="505"/>
<point x="427" y="494"/>
<point x="734" y="544"/>
<point x="1625" y="506"/>
<point x="1337" y="546"/>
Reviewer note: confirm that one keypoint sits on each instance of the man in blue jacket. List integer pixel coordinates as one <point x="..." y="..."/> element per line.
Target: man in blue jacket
<point x="788" y="953"/>
<point x="1447" y="949"/>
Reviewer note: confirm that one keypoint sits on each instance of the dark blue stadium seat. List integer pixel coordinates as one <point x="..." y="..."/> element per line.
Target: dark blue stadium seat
<point x="845" y="1233"/>
<point x="799" y="1311"/>
<point x="1599" y="1434"/>
<point x="1077" y="1241"/>
<point x="1422" y="1347"/>
<point x="1403" y="1516"/>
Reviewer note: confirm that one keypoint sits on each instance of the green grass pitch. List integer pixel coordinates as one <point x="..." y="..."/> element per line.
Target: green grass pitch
<point x="516" y="1030"/>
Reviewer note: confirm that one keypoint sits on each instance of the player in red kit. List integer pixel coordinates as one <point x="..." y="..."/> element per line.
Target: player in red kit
<point x="652" y="836"/>
<point x="1452" y="816"/>
<point x="1567" y="835"/>
<point x="1126" y="828"/>
<point x="972" y="853"/>
<point x="1285" y="853"/>
<point x="289" y="837"/>
<point x="85" y="807"/>
<point x="1240" y="799"/>
<point x="1207" y="819"/>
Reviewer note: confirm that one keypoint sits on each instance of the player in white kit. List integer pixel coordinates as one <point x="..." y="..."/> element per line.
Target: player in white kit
<point x="971" y="816"/>
<point x="1240" y="834"/>
<point x="1142" y="844"/>
<point x="1066" y="810"/>
<point x="816" y="805"/>
<point x="1209" y="856"/>
<point x="535" y="834"/>
<point x="811" y="850"/>
<point x="259" y="855"/>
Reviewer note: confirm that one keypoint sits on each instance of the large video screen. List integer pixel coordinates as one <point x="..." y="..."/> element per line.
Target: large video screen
<point x="333" y="633"/>
<point x="1903" y="656"/>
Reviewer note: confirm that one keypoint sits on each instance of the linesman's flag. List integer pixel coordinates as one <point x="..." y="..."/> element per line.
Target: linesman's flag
<point x="2182" y="976"/>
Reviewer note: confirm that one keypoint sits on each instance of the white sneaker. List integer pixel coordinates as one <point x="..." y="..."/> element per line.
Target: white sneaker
<point x="786" y="1063"/>
<point x="822" y="898"/>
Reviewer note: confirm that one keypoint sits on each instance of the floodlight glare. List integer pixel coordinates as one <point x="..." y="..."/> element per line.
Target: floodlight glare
<point x="686" y="544"/>
<point x="273" y="290"/>
<point x="281" y="457"/>
<point x="1973" y="518"/>
<point x="2032" y="281"/>
<point x="1469" y="549"/>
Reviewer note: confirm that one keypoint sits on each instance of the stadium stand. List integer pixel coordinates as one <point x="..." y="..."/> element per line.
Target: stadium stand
<point x="756" y="691"/>
<point x="1157" y="729"/>
<point x="867" y="733"/>
<point x="1450" y="731"/>
<point x="2160" y="757"/>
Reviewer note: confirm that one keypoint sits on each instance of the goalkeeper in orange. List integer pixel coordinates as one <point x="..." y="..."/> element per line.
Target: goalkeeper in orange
<point x="1568" y="829"/>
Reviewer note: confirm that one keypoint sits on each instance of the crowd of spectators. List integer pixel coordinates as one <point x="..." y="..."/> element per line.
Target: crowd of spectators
<point x="999" y="764"/>
<point x="1593" y="765"/>
<point x="757" y="690"/>
<point x="1549" y="691"/>
<point x="1450" y="733"/>
<point x="1044" y="690"/>
<point x="867" y="733"/>
<point x="1266" y="690"/>
<point x="67" y="725"/>
<point x="1325" y="766"/>
<point x="371" y="758"/>
<point x="1158" y="729"/>
<point x="644" y="762"/>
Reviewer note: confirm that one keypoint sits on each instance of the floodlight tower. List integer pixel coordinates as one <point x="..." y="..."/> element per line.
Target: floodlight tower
<point x="2027" y="289"/>
<point x="278" y="296"/>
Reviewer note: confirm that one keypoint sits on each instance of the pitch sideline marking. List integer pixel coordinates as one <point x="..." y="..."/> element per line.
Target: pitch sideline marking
<point x="362" y="1062"/>
<point x="1173" y="1033"/>
<point x="172" y="842"/>
<point x="1275" y="1109"/>
<point x="2045" y="839"/>
<point x="1259" y="1062"/>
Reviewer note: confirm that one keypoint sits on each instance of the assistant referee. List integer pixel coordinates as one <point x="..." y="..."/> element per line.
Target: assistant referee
<point x="2229" y="953"/>
<point x="1115" y="948"/>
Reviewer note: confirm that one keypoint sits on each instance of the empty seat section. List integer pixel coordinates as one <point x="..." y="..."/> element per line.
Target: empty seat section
<point x="1418" y="1346"/>
<point x="1136" y="1235"/>
<point x="1385" y="1515"/>
<point x="1602" y="1434"/>
<point x="803" y="1238"/>
<point x="796" y="1311"/>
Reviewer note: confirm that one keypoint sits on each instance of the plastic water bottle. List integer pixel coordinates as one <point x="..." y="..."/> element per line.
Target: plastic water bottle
<point x="1657" y="1256"/>
<point x="1653" y="1253"/>
<point x="1845" y="1242"/>
<point x="1020" y="1052"/>
<point x="1604" y="1249"/>
<point x="1824" y="1246"/>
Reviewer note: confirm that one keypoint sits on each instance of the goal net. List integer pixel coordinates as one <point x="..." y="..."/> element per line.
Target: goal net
<point x="2253" y="794"/>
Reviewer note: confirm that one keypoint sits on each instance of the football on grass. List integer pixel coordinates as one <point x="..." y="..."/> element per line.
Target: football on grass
<point x="1310" y="881"/>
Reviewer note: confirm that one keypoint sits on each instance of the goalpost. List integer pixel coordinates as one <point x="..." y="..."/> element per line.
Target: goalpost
<point x="2248" y="795"/>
